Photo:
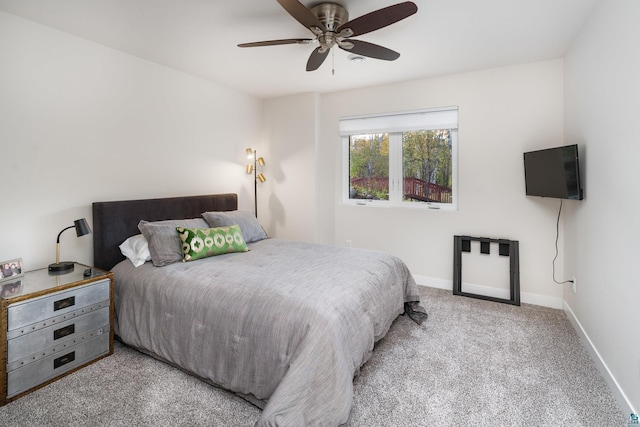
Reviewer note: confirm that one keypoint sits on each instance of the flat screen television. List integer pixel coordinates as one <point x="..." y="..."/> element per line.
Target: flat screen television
<point x="553" y="172"/>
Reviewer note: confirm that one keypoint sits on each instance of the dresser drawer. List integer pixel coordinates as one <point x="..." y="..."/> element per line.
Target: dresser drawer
<point x="40" y="371"/>
<point x="34" y="312"/>
<point x="45" y="340"/>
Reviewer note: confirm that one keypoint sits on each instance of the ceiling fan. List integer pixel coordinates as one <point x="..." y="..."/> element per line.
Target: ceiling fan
<point x="329" y="23"/>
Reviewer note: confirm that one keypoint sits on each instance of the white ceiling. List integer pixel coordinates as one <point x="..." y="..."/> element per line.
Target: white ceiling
<point x="199" y="37"/>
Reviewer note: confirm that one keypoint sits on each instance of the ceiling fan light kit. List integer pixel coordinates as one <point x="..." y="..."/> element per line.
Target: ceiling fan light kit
<point x="330" y="25"/>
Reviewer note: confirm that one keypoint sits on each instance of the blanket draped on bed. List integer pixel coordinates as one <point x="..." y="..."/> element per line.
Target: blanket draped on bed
<point x="287" y="323"/>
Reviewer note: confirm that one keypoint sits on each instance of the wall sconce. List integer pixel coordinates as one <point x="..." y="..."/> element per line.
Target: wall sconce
<point x="253" y="168"/>
<point x="82" y="228"/>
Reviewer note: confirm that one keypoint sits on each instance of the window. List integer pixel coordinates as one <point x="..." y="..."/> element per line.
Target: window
<point x="405" y="159"/>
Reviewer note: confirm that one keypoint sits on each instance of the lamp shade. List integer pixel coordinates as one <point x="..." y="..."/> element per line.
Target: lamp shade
<point x="82" y="227"/>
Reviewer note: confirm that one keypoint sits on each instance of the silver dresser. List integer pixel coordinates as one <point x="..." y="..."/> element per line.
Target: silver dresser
<point x="52" y="324"/>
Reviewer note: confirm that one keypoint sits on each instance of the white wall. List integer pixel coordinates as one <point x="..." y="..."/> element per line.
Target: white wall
<point x="80" y="123"/>
<point x="602" y="108"/>
<point x="287" y="199"/>
<point x="502" y="113"/>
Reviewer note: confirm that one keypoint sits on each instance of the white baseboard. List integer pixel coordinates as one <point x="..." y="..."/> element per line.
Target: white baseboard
<point x="619" y="395"/>
<point x="525" y="297"/>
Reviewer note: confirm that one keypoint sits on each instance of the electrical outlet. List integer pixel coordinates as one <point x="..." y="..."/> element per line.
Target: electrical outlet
<point x="574" y="284"/>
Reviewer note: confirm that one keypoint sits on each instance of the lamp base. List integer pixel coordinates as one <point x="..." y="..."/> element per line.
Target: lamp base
<point x="61" y="267"/>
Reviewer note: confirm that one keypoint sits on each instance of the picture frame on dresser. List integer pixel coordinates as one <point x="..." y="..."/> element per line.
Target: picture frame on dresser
<point x="8" y="288"/>
<point x="11" y="269"/>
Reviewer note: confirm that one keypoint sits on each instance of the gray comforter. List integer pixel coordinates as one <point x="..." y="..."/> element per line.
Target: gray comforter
<point x="286" y="325"/>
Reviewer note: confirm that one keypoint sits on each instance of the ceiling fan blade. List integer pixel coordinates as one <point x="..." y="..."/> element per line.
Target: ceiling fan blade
<point x="301" y="13"/>
<point x="316" y="59"/>
<point x="371" y="50"/>
<point x="275" y="42"/>
<point x="379" y="18"/>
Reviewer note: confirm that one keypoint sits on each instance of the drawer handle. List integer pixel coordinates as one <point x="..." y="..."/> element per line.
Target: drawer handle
<point x="63" y="332"/>
<point x="64" y="303"/>
<point x="63" y="360"/>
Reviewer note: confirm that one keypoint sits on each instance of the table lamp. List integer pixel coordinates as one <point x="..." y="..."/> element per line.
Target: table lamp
<point x="82" y="228"/>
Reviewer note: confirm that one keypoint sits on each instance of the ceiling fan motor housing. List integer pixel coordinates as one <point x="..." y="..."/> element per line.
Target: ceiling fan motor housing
<point x="332" y="15"/>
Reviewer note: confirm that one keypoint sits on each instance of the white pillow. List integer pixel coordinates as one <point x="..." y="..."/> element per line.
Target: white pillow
<point x="136" y="248"/>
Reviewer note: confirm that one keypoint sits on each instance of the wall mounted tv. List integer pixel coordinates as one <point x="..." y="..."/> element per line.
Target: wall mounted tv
<point x="554" y="172"/>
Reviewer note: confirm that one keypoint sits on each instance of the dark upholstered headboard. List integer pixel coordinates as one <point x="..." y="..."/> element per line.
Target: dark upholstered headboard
<point x="114" y="222"/>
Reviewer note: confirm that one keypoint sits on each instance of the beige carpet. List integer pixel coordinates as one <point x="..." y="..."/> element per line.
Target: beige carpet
<point x="473" y="363"/>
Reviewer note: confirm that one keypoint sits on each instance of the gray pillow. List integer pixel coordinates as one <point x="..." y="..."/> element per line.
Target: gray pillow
<point x="164" y="241"/>
<point x="251" y="229"/>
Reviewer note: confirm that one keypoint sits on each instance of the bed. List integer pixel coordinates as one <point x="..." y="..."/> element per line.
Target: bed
<point x="286" y="325"/>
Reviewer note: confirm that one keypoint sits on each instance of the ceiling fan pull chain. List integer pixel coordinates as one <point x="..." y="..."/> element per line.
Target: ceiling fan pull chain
<point x="333" y="62"/>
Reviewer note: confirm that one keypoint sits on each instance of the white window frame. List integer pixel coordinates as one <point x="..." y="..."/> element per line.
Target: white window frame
<point x="395" y="124"/>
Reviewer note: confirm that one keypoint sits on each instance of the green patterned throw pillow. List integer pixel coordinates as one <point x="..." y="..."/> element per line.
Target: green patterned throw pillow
<point x="205" y="242"/>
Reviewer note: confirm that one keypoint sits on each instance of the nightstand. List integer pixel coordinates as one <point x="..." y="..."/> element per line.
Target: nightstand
<point x="52" y="325"/>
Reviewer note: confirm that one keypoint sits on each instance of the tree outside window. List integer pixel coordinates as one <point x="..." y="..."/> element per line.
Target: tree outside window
<point x="369" y="166"/>
<point x="427" y="166"/>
